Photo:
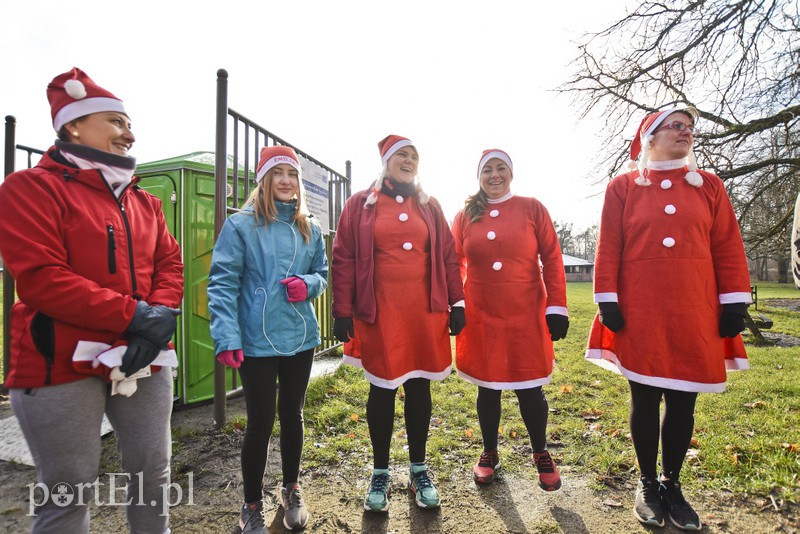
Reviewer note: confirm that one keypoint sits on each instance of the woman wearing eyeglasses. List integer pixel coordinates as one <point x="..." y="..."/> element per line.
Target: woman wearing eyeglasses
<point x="672" y="287"/>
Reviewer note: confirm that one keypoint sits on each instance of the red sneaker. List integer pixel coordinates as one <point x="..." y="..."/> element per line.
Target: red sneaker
<point x="484" y="470"/>
<point x="549" y="479"/>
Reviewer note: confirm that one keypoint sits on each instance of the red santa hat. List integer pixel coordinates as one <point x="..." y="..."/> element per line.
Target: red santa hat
<point x="643" y="138"/>
<point x="73" y="95"/>
<point x="272" y="156"/>
<point x="391" y="144"/>
<point x="494" y="153"/>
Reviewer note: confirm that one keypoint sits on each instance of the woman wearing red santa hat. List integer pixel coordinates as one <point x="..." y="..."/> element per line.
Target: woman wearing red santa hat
<point x="672" y="287"/>
<point x="268" y="266"/>
<point x="99" y="278"/>
<point x="396" y="293"/>
<point x="515" y="310"/>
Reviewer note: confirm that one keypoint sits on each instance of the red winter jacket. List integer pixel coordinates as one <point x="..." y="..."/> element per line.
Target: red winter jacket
<point x="352" y="265"/>
<point x="81" y="259"/>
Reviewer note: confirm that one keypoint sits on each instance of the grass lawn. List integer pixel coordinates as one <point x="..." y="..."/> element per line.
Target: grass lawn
<point x="746" y="440"/>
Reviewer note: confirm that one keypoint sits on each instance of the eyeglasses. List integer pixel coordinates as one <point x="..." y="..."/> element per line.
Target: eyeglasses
<point x="678" y="126"/>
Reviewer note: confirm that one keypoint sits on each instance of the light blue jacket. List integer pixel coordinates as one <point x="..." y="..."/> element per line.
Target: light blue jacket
<point x="248" y="304"/>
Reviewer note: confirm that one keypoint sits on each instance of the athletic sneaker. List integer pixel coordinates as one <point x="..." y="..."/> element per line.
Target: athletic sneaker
<point x="295" y="513"/>
<point x="252" y="519"/>
<point x="378" y="493"/>
<point x="647" y="504"/>
<point x="549" y="479"/>
<point x="426" y="494"/>
<point x="680" y="512"/>
<point x="484" y="470"/>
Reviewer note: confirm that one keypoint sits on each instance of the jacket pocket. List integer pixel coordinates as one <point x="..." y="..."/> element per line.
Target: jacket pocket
<point x="112" y="250"/>
<point x="43" y="335"/>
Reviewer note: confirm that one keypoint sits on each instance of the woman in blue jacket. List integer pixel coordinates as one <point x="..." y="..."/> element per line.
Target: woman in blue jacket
<point x="268" y="264"/>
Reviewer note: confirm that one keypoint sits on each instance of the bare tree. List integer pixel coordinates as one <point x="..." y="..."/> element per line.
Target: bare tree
<point x="566" y="239"/>
<point x="737" y="62"/>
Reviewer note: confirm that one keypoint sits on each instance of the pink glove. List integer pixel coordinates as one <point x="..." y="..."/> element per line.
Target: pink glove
<point x="296" y="289"/>
<point x="231" y="358"/>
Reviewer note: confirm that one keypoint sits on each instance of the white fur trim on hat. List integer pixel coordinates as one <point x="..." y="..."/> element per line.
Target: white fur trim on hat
<point x="494" y="154"/>
<point x="80" y="108"/>
<point x="274" y="161"/>
<point x="394" y="148"/>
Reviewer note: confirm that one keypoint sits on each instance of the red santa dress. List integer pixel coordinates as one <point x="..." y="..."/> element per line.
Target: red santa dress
<point x="406" y="340"/>
<point x="506" y="343"/>
<point x="670" y="254"/>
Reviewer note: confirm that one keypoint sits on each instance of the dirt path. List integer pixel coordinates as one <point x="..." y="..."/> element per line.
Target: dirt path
<point x="334" y="495"/>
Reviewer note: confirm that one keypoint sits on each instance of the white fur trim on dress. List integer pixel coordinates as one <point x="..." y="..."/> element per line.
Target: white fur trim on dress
<point x="609" y="361"/>
<point x="605" y="297"/>
<point x="558" y="310"/>
<point x="396" y="382"/>
<point x="525" y="384"/>
<point x="735" y="298"/>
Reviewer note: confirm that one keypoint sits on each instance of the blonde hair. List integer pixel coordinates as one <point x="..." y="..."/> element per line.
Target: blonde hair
<point x="263" y="201"/>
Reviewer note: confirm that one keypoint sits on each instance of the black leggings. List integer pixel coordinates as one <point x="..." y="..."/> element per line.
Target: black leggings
<point x="533" y="408"/>
<point x="259" y="381"/>
<point x="380" y="418"/>
<point x="675" y="428"/>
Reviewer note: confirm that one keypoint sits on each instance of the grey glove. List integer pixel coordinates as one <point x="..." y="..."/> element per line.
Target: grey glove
<point x="140" y="353"/>
<point x="156" y="323"/>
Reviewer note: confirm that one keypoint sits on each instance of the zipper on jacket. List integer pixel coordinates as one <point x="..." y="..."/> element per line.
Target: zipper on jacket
<point x="130" y="244"/>
<point x="112" y="250"/>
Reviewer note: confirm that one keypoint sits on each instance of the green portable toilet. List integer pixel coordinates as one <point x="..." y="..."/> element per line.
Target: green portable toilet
<point x="185" y="185"/>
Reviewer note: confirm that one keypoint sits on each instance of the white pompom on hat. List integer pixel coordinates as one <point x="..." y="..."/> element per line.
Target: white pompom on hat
<point x="643" y="138"/>
<point x="74" y="94"/>
<point x="494" y="153"/>
<point x="272" y="156"/>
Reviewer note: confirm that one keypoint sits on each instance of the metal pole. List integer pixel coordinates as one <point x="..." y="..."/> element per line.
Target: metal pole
<point x="8" y="281"/>
<point x="220" y="213"/>
<point x="347" y="171"/>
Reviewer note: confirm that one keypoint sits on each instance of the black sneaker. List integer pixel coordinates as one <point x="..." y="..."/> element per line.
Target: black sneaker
<point x="680" y="512"/>
<point x="647" y="505"/>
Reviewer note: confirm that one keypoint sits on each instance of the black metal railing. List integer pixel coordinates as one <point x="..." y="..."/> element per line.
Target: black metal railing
<point x="9" y="296"/>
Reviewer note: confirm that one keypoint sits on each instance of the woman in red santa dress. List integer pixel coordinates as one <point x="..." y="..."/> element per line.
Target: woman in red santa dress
<point x="396" y="292"/>
<point x="514" y="309"/>
<point x="672" y="287"/>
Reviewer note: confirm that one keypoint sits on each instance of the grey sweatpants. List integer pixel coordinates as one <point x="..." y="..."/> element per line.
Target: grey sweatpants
<point x="62" y="427"/>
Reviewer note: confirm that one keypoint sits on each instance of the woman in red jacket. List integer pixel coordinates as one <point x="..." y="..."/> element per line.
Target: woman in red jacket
<point x="515" y="309"/>
<point x="98" y="277"/>
<point x="396" y="290"/>
<point x="672" y="286"/>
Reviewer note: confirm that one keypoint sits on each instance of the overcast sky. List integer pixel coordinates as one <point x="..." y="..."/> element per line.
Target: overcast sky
<point x="332" y="78"/>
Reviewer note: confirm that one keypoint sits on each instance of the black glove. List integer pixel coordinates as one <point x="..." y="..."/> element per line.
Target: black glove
<point x="156" y="323"/>
<point x="457" y="320"/>
<point x="558" y="325"/>
<point x="731" y="322"/>
<point x="610" y="316"/>
<point x="343" y="328"/>
<point x="141" y="352"/>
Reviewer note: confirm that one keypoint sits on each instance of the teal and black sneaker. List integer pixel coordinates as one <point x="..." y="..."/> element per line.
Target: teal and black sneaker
<point x="378" y="493"/>
<point x="426" y="494"/>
